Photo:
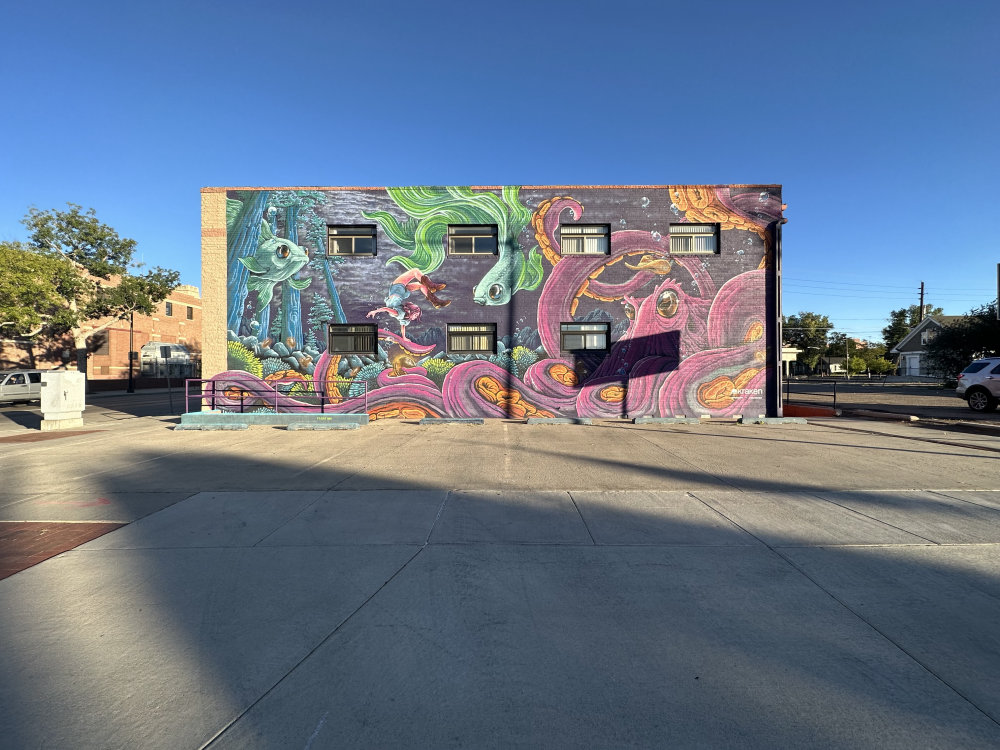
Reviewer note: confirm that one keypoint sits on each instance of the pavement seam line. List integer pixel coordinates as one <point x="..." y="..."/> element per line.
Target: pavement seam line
<point x="865" y="515"/>
<point x="942" y="493"/>
<point x="311" y="651"/>
<point x="585" y="524"/>
<point x="788" y="561"/>
<point x="689" y="463"/>
<point x="884" y="635"/>
<point x="427" y="539"/>
<point x="867" y="431"/>
<point x="291" y="518"/>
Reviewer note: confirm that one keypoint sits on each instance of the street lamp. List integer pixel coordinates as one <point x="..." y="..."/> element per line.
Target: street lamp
<point x="131" y="353"/>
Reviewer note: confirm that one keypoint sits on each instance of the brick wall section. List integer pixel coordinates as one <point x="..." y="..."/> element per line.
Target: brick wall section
<point x="213" y="279"/>
<point x="176" y="328"/>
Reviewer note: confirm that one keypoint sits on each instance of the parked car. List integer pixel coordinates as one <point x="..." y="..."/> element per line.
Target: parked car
<point x="979" y="384"/>
<point x="20" y="385"/>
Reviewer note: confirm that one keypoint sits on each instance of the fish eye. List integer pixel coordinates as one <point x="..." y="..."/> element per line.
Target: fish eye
<point x="495" y="291"/>
<point x="282" y="251"/>
<point x="630" y="311"/>
<point x="666" y="304"/>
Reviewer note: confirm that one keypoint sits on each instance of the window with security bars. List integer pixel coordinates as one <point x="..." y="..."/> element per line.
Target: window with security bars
<point x="350" y="240"/>
<point x="584" y="239"/>
<point x="576" y="337"/>
<point x="472" y="338"/>
<point x="472" y="239"/>
<point x="694" y="238"/>
<point x="354" y="339"/>
<point x="168" y="309"/>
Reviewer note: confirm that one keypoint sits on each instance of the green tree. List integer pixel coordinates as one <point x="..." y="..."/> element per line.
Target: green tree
<point x="807" y="331"/>
<point x="902" y="320"/>
<point x="977" y="334"/>
<point x="33" y="291"/>
<point x="97" y="254"/>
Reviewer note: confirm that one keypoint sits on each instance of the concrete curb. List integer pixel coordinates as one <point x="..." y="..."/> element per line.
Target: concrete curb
<point x="451" y="420"/>
<point x="884" y="415"/>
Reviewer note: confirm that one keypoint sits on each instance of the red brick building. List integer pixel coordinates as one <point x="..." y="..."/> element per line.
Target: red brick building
<point x="177" y="322"/>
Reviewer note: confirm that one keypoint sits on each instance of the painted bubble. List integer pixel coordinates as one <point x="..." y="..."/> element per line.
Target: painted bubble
<point x="645" y="202"/>
<point x="656" y="236"/>
<point x="622" y="222"/>
<point x="675" y="209"/>
<point x="764" y="196"/>
<point x="740" y="251"/>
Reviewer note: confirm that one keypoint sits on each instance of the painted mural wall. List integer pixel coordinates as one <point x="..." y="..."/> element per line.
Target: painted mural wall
<point x="689" y="332"/>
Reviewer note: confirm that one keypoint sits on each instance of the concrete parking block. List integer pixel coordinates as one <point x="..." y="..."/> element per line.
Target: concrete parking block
<point x="654" y="517"/>
<point x="939" y="604"/>
<point x="930" y="515"/>
<point x="120" y="507"/>
<point x="524" y="646"/>
<point x="794" y="518"/>
<point x="211" y="519"/>
<point x="510" y="516"/>
<point x="160" y="648"/>
<point x="372" y="517"/>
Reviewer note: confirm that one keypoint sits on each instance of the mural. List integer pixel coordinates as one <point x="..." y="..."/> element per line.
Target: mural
<point x="688" y="332"/>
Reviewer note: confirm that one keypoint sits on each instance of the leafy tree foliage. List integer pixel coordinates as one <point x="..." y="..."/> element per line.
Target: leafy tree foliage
<point x="807" y="331"/>
<point x="902" y="320"/>
<point x="34" y="289"/>
<point x="96" y="254"/>
<point x="976" y="335"/>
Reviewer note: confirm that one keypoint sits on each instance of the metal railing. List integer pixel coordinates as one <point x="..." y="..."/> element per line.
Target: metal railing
<point x="788" y="389"/>
<point x="213" y="393"/>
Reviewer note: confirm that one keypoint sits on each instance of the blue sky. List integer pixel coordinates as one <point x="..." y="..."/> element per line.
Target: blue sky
<point x="880" y="119"/>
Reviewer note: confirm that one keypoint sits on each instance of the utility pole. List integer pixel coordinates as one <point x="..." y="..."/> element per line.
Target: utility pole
<point x="921" y="302"/>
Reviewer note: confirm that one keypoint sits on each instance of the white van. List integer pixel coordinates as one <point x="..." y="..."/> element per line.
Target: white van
<point x="20" y="385"/>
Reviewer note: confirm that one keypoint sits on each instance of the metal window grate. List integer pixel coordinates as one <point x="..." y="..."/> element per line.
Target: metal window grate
<point x="472" y="338"/>
<point x="584" y="239"/>
<point x="694" y="238"/>
<point x="574" y="337"/>
<point x="354" y="339"/>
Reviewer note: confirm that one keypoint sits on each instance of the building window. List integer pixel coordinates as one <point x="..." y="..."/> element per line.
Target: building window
<point x="584" y="239"/>
<point x="100" y="343"/>
<point x="576" y="337"/>
<point x="694" y="238"/>
<point x="169" y="309"/>
<point x="354" y="339"/>
<point x="470" y="239"/>
<point x="190" y="313"/>
<point x="472" y="338"/>
<point x="351" y="240"/>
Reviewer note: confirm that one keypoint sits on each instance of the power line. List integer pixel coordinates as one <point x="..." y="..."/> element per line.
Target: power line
<point x="912" y="287"/>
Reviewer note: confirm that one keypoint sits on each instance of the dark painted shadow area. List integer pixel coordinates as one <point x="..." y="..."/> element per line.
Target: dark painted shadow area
<point x="351" y="599"/>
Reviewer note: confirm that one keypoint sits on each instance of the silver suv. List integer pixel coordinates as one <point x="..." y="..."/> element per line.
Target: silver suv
<point x="979" y="384"/>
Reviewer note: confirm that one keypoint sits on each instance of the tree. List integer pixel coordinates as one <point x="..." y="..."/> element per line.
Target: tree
<point x="34" y="288"/>
<point x="97" y="254"/>
<point x="975" y="335"/>
<point x="807" y="331"/>
<point x="902" y="320"/>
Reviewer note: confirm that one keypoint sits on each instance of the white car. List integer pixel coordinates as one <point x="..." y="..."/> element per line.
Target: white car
<point x="20" y="385"/>
<point x="979" y="384"/>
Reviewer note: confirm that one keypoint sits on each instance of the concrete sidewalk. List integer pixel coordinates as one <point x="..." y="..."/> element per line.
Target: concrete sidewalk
<point x="506" y="585"/>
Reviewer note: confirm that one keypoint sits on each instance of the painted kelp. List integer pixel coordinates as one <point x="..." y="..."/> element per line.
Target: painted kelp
<point x="689" y="332"/>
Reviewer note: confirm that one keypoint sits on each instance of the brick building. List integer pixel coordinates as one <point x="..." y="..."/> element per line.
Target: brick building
<point x="176" y="322"/>
<point x="497" y="301"/>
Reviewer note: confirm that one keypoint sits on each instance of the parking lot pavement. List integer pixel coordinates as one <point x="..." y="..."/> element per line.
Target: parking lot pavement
<point x="506" y="584"/>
